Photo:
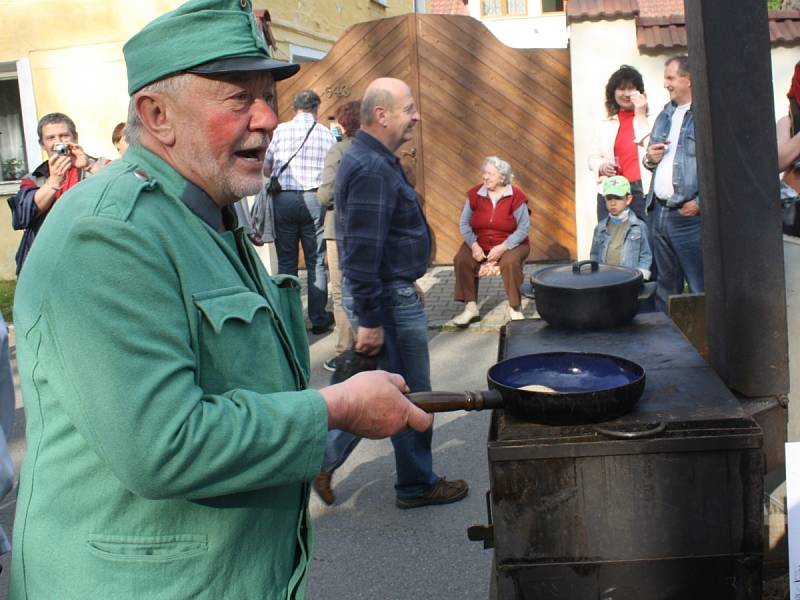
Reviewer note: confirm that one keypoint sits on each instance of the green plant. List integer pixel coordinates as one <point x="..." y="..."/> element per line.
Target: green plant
<point x="774" y="4"/>
<point x="12" y="169"/>
<point x="7" y="288"/>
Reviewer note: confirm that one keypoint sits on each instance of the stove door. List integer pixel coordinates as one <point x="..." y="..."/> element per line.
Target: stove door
<point x="733" y="577"/>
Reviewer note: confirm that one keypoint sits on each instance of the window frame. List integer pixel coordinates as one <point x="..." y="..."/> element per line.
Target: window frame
<point x="554" y="12"/>
<point x="21" y="71"/>
<point x="302" y="54"/>
<point x="504" y="11"/>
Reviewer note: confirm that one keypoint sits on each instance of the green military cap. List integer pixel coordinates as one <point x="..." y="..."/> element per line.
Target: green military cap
<point x="201" y="36"/>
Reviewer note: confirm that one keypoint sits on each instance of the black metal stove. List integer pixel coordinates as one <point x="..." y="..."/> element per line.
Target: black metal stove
<point x="673" y="511"/>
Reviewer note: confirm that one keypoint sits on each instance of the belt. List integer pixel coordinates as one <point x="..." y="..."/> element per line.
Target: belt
<point x="663" y="203"/>
<point x="301" y="191"/>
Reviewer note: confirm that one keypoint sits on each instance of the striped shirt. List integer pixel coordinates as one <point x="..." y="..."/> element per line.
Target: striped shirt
<point x="305" y="170"/>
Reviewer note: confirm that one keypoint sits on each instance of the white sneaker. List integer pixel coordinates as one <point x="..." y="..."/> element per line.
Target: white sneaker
<point x="470" y="314"/>
<point x="514" y="314"/>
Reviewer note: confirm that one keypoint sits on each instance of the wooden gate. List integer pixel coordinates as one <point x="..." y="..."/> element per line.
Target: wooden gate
<point x="477" y="97"/>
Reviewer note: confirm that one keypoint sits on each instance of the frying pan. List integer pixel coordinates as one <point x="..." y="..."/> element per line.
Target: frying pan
<point x="589" y="388"/>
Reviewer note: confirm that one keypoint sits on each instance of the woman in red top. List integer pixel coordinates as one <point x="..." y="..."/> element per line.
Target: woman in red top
<point x="494" y="223"/>
<point x="621" y="138"/>
<point x="788" y="129"/>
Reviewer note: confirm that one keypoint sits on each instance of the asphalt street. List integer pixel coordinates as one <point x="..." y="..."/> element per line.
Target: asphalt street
<point x="369" y="549"/>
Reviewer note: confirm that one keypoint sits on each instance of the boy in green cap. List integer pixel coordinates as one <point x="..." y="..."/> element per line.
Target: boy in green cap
<point x="171" y="433"/>
<point x="621" y="238"/>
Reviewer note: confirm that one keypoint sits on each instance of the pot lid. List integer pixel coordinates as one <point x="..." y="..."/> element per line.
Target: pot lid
<point x="586" y="274"/>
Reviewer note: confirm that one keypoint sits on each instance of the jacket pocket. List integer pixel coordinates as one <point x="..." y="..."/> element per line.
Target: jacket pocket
<point x="217" y="306"/>
<point x="164" y="567"/>
<point x="147" y="548"/>
<point x="238" y="344"/>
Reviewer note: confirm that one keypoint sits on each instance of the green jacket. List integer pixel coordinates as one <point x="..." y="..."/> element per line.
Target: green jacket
<point x="170" y="437"/>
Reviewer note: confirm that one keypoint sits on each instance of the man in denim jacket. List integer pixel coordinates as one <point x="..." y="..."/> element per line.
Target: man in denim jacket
<point x="621" y="238"/>
<point x="673" y="202"/>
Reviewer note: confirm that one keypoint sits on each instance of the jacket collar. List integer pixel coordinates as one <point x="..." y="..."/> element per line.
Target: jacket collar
<point x="43" y="170"/>
<point x="506" y="192"/>
<point x="671" y="106"/>
<point x="375" y="144"/>
<point x="152" y="166"/>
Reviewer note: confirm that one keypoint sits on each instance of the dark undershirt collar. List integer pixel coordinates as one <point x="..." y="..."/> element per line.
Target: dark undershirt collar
<point x="201" y="204"/>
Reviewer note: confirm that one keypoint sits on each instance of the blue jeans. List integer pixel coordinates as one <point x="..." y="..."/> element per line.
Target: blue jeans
<point x="677" y="250"/>
<point x="405" y="351"/>
<point x="300" y="218"/>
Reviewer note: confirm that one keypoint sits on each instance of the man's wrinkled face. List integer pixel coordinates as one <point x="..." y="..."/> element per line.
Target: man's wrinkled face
<point x="402" y="117"/>
<point x="678" y="84"/>
<point x="223" y="125"/>
<point x="53" y="133"/>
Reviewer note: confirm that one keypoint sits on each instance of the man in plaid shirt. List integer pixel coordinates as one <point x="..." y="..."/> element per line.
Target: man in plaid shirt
<point x="384" y="247"/>
<point x="297" y="211"/>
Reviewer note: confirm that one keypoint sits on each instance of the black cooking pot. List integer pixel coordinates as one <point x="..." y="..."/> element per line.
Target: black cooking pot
<point x="589" y="295"/>
<point x="588" y="388"/>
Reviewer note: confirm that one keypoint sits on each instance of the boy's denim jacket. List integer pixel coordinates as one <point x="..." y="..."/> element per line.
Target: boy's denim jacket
<point x="684" y="172"/>
<point x="636" y="252"/>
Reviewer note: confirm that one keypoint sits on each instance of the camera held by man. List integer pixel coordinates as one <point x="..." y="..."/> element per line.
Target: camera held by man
<point x="67" y="164"/>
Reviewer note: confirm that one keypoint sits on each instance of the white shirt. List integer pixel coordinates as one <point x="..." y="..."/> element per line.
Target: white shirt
<point x="663" y="187"/>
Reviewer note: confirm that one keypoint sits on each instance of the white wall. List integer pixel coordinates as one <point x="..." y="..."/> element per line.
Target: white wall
<point x="594" y="59"/>
<point x="783" y="61"/>
<point x="537" y="30"/>
<point x="549" y="31"/>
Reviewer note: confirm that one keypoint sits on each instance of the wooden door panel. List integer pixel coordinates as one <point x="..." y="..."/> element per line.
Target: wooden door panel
<point x="477" y="97"/>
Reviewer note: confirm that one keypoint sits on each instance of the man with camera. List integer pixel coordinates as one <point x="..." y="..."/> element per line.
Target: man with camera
<point x="66" y="165"/>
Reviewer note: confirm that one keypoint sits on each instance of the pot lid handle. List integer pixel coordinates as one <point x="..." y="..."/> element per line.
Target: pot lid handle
<point x="578" y="265"/>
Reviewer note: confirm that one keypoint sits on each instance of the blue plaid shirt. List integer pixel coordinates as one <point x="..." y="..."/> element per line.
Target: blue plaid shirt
<point x="305" y="170"/>
<point x="381" y="232"/>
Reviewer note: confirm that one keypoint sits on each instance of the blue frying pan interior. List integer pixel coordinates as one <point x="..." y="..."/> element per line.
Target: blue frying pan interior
<point x="566" y="372"/>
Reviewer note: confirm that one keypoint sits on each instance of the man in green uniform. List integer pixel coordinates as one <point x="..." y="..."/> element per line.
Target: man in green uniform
<point x="171" y="438"/>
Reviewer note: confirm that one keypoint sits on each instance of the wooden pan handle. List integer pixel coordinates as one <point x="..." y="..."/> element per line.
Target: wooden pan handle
<point x="448" y="401"/>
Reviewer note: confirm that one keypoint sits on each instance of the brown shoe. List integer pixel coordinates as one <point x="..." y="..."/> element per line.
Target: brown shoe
<point x="322" y="485"/>
<point x="444" y="492"/>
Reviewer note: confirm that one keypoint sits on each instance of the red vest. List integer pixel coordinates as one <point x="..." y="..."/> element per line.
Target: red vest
<point x="493" y="224"/>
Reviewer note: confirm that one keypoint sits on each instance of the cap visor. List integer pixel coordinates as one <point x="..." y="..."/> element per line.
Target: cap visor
<point x="278" y="68"/>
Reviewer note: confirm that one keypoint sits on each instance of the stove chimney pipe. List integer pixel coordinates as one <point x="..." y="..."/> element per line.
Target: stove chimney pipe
<point x="729" y="56"/>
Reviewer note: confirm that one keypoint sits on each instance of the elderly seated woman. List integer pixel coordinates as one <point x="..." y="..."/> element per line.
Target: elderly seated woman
<point x="494" y="223"/>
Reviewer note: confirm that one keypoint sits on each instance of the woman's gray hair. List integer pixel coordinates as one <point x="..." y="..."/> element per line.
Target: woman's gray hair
<point x="169" y="86"/>
<point x="502" y="167"/>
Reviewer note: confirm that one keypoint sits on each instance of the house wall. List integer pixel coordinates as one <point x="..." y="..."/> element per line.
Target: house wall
<point x="74" y="52"/>
<point x="536" y="30"/>
<point x="783" y="62"/>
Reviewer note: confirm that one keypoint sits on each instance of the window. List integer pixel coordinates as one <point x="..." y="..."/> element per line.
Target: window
<point x="13" y="164"/>
<point x="302" y="54"/>
<point x="503" y="8"/>
<point x="552" y="6"/>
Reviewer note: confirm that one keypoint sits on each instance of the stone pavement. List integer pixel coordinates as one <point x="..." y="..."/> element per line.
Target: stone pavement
<point x="438" y="284"/>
